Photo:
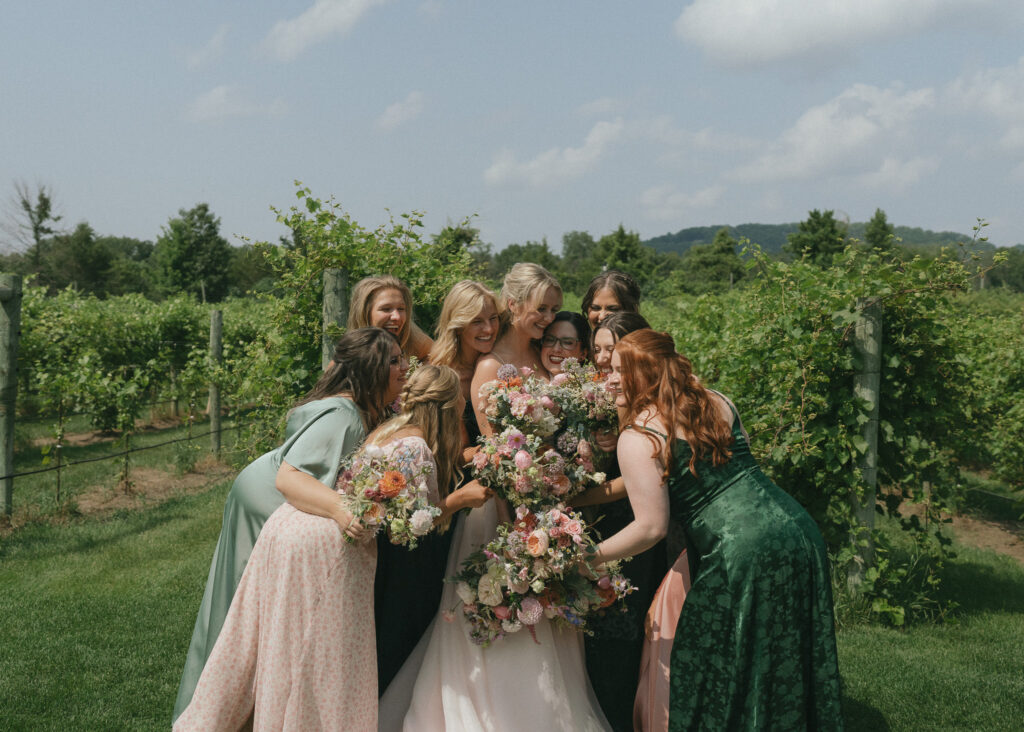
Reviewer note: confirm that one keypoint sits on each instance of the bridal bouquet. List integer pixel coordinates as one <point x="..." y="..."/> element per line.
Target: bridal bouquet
<point x="534" y="569"/>
<point x="526" y="471"/>
<point x="519" y="399"/>
<point x="580" y="393"/>
<point x="389" y="491"/>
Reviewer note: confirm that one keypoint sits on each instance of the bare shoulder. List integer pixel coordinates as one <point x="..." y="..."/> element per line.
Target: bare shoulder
<point x="407" y="432"/>
<point x="420" y="343"/>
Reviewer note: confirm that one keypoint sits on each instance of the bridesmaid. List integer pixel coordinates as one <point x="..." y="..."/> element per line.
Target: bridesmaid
<point x="385" y="302"/>
<point x="408" y="585"/>
<point x="351" y="398"/>
<point x="297" y="649"/>
<point x="612" y="291"/>
<point x="568" y="336"/>
<point x="755" y="644"/>
<point x="615" y="651"/>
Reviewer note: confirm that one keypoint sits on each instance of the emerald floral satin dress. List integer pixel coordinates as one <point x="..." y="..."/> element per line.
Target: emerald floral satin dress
<point x="755" y="646"/>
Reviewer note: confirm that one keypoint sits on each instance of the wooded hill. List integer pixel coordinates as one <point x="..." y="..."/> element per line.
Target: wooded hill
<point x="771" y="237"/>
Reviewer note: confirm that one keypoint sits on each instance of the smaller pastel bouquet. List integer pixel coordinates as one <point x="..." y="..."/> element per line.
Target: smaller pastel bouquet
<point x="519" y="399"/>
<point x="389" y="491"/>
<point x="535" y="568"/>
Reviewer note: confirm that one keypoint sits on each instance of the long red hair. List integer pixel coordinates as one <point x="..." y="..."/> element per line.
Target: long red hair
<point x="657" y="378"/>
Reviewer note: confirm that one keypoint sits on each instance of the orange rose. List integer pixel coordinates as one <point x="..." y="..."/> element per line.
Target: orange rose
<point x="372" y="513"/>
<point x="391" y="484"/>
<point x="607" y="594"/>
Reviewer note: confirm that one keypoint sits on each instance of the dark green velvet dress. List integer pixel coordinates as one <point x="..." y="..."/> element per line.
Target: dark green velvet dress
<point x="755" y="646"/>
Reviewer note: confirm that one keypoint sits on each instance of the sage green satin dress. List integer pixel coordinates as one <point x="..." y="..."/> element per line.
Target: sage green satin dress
<point x="318" y="436"/>
<point x="755" y="646"/>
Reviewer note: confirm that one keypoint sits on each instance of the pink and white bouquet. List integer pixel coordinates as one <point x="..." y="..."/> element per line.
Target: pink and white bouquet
<point x="389" y="491"/>
<point x="520" y="399"/>
<point x="535" y="568"/>
<point x="586" y="405"/>
<point x="526" y="471"/>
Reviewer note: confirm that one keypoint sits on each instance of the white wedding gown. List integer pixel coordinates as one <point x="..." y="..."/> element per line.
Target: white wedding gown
<point x="448" y="683"/>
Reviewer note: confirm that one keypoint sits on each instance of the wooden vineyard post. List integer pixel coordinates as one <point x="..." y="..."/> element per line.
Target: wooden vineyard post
<point x="216" y="355"/>
<point x="10" y="329"/>
<point x="866" y="385"/>
<point x="335" y="309"/>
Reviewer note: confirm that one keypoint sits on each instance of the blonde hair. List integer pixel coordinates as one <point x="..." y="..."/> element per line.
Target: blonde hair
<point x="361" y="304"/>
<point x="461" y="306"/>
<point x="526" y="283"/>
<point x="430" y="402"/>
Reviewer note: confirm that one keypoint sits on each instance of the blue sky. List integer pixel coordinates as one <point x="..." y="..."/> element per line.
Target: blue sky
<point x="538" y="117"/>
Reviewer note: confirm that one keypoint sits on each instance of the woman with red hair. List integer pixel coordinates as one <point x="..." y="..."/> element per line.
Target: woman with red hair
<point x="755" y="644"/>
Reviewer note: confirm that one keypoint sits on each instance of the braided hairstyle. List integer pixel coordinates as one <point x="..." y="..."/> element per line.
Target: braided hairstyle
<point x="360" y="366"/>
<point x="430" y="401"/>
<point x="655" y="377"/>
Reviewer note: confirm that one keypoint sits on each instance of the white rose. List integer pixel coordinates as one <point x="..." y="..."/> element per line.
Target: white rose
<point x="489" y="590"/>
<point x="421" y="522"/>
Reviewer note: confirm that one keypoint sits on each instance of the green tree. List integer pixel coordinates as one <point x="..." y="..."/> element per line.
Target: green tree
<point x="879" y="233"/>
<point x="819" y="238"/>
<point x="79" y="260"/>
<point x="192" y="256"/>
<point x="30" y="222"/>
<point x="713" y="267"/>
<point x="580" y="261"/>
<point x="532" y="251"/>
<point x="624" y="251"/>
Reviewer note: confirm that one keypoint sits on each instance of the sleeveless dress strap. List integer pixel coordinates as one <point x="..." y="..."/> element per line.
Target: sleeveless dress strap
<point x="645" y="428"/>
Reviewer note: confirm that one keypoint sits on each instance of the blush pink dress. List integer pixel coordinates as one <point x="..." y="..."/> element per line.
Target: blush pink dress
<point x="297" y="651"/>
<point x="650" y="710"/>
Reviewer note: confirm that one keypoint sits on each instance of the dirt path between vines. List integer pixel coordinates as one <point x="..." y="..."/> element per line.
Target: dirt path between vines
<point x="151" y="486"/>
<point x="1004" y="537"/>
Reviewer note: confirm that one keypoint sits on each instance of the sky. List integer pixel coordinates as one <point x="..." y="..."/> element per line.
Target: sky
<point x="535" y="118"/>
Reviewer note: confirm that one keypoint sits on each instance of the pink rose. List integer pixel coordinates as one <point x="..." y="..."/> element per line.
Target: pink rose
<point x="522" y="484"/>
<point x="480" y="460"/>
<point x="554" y="515"/>
<point x="559" y="379"/>
<point x="560" y="486"/>
<point x="605" y="582"/>
<point x="526" y="371"/>
<point x="547" y="402"/>
<point x="523" y="460"/>
<point x="537" y="543"/>
<point x="502" y="612"/>
<point x="584" y="449"/>
<point x="575" y="528"/>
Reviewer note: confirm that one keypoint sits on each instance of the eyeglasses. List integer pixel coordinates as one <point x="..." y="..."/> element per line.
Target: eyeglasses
<point x="568" y="344"/>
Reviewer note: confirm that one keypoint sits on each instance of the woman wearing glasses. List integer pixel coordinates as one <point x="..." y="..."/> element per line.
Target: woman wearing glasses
<point x="568" y="336"/>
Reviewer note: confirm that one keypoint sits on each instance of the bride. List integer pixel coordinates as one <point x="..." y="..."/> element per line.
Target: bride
<point x="517" y="682"/>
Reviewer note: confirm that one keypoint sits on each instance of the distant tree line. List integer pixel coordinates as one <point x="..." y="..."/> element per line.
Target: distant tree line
<point x="190" y="256"/>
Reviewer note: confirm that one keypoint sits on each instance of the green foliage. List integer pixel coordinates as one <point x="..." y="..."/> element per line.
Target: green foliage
<point x="192" y="256"/>
<point x="282" y="360"/>
<point x="879" y="234"/>
<point x="819" y="238"/>
<point x="714" y="267"/>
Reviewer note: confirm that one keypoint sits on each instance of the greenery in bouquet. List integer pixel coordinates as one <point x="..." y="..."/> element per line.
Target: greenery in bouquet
<point x="389" y="491"/>
<point x="520" y="399"/>
<point x="535" y="568"/>
<point x="526" y="471"/>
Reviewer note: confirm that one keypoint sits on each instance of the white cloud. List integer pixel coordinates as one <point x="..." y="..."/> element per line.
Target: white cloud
<point x="749" y="32"/>
<point x="401" y="112"/>
<point x="998" y="92"/>
<point x="556" y="165"/>
<point x="326" y="18"/>
<point x="226" y="101"/>
<point x="667" y="203"/>
<point x="899" y="175"/>
<point x="846" y="134"/>
<point x="209" y="51"/>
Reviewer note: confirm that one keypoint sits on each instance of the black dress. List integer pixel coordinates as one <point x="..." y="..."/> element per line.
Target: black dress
<point x="407" y="588"/>
<point x="614" y="650"/>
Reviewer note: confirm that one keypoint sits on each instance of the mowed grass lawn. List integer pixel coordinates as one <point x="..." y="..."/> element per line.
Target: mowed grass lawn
<point x="97" y="615"/>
